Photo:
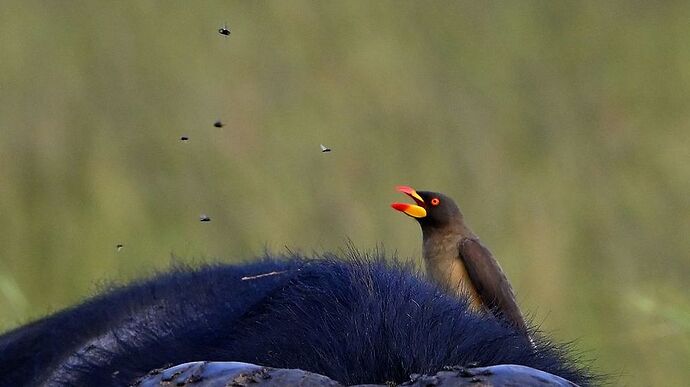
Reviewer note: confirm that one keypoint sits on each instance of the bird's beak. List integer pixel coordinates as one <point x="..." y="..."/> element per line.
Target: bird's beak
<point x="415" y="211"/>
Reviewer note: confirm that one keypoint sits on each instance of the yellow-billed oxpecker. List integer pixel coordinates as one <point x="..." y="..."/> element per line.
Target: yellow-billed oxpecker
<point x="456" y="259"/>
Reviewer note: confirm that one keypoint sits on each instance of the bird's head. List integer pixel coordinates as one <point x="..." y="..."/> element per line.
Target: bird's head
<point x="431" y="209"/>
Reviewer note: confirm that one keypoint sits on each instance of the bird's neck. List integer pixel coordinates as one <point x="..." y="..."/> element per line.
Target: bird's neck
<point x="441" y="250"/>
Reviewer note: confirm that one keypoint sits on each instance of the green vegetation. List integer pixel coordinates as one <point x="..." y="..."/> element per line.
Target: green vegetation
<point x="561" y="128"/>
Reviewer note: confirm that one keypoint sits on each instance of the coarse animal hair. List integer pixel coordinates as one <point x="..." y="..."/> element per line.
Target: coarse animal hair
<point x="362" y="318"/>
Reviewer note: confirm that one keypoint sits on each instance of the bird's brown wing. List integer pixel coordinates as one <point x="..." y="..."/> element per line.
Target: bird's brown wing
<point x="491" y="284"/>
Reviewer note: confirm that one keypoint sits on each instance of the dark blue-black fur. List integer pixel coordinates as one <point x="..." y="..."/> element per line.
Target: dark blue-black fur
<point x="356" y="320"/>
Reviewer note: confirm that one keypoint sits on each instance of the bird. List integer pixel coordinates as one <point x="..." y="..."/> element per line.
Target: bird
<point x="456" y="259"/>
<point x="119" y="246"/>
<point x="204" y="218"/>
<point x="355" y="317"/>
<point x="324" y="149"/>
<point x="218" y="124"/>
<point x="184" y="138"/>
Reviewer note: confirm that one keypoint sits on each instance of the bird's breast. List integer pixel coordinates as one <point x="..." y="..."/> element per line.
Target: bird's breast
<point x="445" y="267"/>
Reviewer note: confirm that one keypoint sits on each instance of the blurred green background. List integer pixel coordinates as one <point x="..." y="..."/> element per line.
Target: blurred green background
<point x="561" y="128"/>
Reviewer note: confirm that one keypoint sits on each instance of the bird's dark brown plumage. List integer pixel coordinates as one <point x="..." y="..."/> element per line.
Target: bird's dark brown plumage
<point x="490" y="282"/>
<point x="456" y="259"/>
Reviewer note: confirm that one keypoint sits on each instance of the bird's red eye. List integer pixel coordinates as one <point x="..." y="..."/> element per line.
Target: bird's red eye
<point x="435" y="202"/>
